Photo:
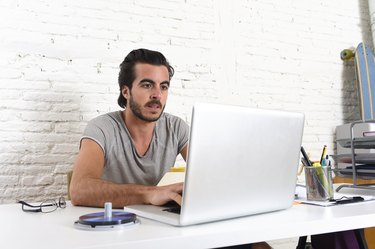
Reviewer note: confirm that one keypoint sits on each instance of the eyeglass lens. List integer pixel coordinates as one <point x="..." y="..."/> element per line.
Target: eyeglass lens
<point x="48" y="206"/>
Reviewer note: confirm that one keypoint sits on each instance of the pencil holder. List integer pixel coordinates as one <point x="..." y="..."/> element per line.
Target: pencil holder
<point x="318" y="183"/>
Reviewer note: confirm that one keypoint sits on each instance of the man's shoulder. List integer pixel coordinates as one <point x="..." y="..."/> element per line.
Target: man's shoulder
<point x="168" y="115"/>
<point x="171" y="122"/>
<point x="106" y="118"/>
<point x="170" y="118"/>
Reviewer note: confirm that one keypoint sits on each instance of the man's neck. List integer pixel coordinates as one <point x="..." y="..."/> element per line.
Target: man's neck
<point x="140" y="131"/>
<point x="138" y="128"/>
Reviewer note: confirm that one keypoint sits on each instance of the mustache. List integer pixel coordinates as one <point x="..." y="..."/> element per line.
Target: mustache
<point x="154" y="102"/>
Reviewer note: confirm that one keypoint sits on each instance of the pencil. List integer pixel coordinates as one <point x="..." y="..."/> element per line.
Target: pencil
<point x="323" y="155"/>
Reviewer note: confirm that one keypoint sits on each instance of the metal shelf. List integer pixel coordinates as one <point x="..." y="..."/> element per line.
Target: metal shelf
<point x="359" y="165"/>
<point x="360" y="142"/>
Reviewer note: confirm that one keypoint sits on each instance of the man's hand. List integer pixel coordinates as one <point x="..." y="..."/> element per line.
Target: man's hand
<point x="164" y="194"/>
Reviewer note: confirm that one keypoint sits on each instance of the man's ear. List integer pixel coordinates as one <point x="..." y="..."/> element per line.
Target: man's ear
<point x="125" y="92"/>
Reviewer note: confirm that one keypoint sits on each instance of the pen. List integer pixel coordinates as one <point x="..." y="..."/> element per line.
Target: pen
<point x="304" y="162"/>
<point x="323" y="155"/>
<point x="327" y="161"/>
<point x="305" y="156"/>
<point x="349" y="200"/>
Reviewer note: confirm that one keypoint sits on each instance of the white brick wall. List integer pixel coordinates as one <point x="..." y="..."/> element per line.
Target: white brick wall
<point x="60" y="59"/>
<point x="59" y="65"/>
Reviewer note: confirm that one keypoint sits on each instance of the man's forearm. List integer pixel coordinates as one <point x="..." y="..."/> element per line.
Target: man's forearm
<point x="95" y="192"/>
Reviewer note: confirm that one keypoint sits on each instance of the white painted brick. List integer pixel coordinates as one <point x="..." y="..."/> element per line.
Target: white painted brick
<point x="8" y="194"/>
<point x="37" y="169"/>
<point x="28" y="193"/>
<point x="48" y="159"/>
<point x="49" y="116"/>
<point x="266" y="54"/>
<point x="36" y="180"/>
<point x="65" y="149"/>
<point x="64" y="168"/>
<point x="8" y="180"/>
<point x="49" y="138"/>
<point x="7" y="137"/>
<point x="70" y="127"/>
<point x="50" y="97"/>
<point x="10" y="94"/>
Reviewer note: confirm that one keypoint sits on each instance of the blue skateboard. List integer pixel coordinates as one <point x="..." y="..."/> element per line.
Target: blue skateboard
<point x="365" y="73"/>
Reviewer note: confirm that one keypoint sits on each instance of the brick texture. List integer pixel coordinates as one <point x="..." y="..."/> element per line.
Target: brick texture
<point x="59" y="65"/>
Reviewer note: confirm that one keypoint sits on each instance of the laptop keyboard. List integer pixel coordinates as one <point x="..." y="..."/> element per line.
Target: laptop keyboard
<point x="176" y="210"/>
<point x="172" y="207"/>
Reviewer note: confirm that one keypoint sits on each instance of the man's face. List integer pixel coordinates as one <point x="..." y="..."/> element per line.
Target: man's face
<point x="149" y="92"/>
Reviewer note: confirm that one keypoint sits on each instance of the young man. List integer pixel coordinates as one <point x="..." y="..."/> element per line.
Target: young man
<point x="124" y="154"/>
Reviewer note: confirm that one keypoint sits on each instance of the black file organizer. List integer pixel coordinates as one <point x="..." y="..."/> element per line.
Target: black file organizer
<point x="359" y="164"/>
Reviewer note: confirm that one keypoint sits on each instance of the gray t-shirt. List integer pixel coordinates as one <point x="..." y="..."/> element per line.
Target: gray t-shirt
<point x="122" y="162"/>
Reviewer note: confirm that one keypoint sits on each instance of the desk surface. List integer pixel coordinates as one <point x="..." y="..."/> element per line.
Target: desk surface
<point x="55" y="230"/>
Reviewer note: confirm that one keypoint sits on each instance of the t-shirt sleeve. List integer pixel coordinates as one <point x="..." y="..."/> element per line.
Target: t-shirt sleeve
<point x="182" y="129"/>
<point x="94" y="132"/>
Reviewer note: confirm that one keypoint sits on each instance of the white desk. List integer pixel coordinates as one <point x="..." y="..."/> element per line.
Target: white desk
<point x="55" y="230"/>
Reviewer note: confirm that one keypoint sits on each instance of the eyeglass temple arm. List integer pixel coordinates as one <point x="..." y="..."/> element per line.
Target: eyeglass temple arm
<point x="29" y="210"/>
<point x="27" y="204"/>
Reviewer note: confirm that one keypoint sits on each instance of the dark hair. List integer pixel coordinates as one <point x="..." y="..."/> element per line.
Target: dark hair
<point x="127" y="72"/>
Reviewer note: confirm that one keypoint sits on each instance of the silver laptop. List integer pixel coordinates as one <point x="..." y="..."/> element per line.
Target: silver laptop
<point x="241" y="161"/>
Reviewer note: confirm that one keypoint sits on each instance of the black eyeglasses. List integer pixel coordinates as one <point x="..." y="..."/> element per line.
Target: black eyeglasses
<point x="44" y="207"/>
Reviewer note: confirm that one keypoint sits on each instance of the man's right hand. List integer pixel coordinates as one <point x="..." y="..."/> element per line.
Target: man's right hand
<point x="164" y="194"/>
